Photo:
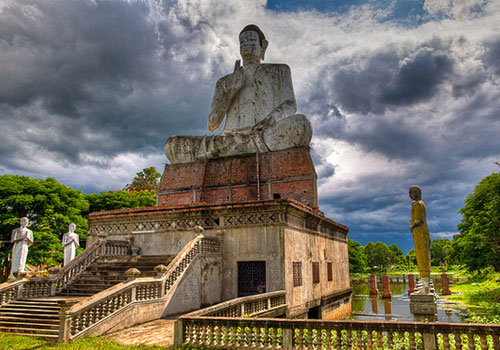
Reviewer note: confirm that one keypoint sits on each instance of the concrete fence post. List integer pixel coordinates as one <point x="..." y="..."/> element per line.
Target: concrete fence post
<point x="64" y="324"/>
<point x="287" y="339"/>
<point x="429" y="341"/>
<point x="178" y="333"/>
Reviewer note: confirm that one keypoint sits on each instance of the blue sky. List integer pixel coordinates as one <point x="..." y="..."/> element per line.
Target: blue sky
<point x="398" y="92"/>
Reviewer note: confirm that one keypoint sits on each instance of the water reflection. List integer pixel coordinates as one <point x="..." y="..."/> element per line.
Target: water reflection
<point x="369" y="307"/>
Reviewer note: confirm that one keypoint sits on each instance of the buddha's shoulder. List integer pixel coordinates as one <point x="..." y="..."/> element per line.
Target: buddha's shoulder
<point x="275" y="67"/>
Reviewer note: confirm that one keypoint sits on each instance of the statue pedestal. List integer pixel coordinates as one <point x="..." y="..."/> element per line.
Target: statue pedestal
<point x="423" y="307"/>
<point x="287" y="174"/>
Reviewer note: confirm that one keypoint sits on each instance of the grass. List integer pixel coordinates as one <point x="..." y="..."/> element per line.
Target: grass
<point x="16" y="342"/>
<point x="481" y="295"/>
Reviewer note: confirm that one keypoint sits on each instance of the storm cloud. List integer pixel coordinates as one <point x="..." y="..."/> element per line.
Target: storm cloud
<point x="398" y="95"/>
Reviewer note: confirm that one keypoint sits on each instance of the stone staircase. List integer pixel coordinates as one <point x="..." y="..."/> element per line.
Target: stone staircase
<point x="108" y="271"/>
<point x="40" y="317"/>
<point x="35" y="317"/>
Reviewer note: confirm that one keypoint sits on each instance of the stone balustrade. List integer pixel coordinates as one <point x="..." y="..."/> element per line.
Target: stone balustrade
<point x="92" y="312"/>
<point x="37" y="287"/>
<point x="250" y="306"/>
<point x="261" y="333"/>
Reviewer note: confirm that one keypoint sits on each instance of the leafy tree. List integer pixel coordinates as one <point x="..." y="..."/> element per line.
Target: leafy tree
<point x="397" y="256"/>
<point x="120" y="199"/>
<point x="357" y="258"/>
<point x="478" y="243"/>
<point x="49" y="205"/>
<point x="147" y="179"/>
<point x="440" y="251"/>
<point x="411" y="258"/>
<point x="377" y="254"/>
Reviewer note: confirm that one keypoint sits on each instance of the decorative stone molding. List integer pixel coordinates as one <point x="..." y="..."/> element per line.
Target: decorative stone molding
<point x="132" y="273"/>
<point x="160" y="270"/>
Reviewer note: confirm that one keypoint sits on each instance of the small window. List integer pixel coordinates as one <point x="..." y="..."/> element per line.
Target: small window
<point x="315" y="271"/>
<point x="297" y="273"/>
<point x="329" y="270"/>
<point x="276" y="196"/>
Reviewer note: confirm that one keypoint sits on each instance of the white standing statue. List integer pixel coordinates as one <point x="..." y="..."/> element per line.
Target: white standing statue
<point x="70" y="242"/>
<point x="22" y="237"/>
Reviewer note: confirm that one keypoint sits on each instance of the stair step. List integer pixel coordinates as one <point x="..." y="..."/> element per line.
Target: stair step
<point x="31" y="331"/>
<point x="22" y="314"/>
<point x="46" y="336"/>
<point x="15" y="308"/>
<point x="52" y="325"/>
<point x="19" y="320"/>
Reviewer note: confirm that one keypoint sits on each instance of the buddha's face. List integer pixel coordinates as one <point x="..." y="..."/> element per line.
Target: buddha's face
<point x="24" y="222"/>
<point x="414" y="193"/>
<point x="250" y="48"/>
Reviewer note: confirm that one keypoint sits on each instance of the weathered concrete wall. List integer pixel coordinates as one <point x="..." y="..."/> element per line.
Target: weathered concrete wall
<point x="252" y="244"/>
<point x="199" y="287"/>
<point x="308" y="247"/>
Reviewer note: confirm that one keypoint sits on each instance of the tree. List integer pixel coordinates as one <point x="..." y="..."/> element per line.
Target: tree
<point x="49" y="205"/>
<point x="147" y="179"/>
<point x="440" y="251"/>
<point x="397" y="256"/>
<point x="120" y="200"/>
<point x="357" y="258"/>
<point x="377" y="254"/>
<point x="478" y="242"/>
<point x="411" y="258"/>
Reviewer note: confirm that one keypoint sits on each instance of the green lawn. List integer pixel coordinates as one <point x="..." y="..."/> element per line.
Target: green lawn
<point x="15" y="342"/>
<point x="481" y="294"/>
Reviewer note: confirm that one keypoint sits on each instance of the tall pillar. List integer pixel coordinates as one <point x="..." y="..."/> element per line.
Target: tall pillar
<point x="386" y="287"/>
<point x="411" y="283"/>
<point x="373" y="285"/>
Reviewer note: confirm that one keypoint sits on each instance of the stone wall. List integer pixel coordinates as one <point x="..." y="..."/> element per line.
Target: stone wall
<point x="306" y="248"/>
<point x="272" y="175"/>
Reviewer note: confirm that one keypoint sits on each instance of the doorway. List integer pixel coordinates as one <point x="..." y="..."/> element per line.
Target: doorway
<point x="251" y="277"/>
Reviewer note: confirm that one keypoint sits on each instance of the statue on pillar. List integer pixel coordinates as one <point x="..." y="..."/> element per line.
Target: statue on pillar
<point x="70" y="242"/>
<point x="258" y="103"/>
<point x="421" y="236"/>
<point x="22" y="237"/>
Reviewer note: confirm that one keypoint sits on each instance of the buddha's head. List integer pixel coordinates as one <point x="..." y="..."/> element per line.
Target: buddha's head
<point x="415" y="193"/>
<point x="253" y="44"/>
<point x="24" y="221"/>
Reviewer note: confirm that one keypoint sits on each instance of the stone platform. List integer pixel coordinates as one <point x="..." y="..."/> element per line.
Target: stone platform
<point x="287" y="174"/>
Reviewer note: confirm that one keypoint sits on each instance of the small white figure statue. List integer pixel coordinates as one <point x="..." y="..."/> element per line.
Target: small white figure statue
<point x="70" y="242"/>
<point x="22" y="237"/>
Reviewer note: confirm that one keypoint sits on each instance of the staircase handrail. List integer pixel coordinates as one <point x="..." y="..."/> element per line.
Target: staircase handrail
<point x="85" y="259"/>
<point x="88" y="313"/>
<point x="49" y="286"/>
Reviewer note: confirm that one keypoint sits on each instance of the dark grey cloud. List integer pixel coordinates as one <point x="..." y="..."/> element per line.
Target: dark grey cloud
<point x="389" y="78"/>
<point x="97" y="78"/>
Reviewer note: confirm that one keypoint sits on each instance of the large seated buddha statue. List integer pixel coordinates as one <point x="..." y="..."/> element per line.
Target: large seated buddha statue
<point x="258" y="103"/>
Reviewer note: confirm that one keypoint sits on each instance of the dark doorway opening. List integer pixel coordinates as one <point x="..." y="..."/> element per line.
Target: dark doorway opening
<point x="251" y="277"/>
<point x="313" y="313"/>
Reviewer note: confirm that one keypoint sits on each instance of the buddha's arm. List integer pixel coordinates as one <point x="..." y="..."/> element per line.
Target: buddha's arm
<point x="417" y="215"/>
<point x="287" y="105"/>
<point x="225" y="90"/>
<point x="286" y="96"/>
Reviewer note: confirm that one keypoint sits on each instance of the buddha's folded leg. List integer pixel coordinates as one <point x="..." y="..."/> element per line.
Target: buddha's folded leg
<point x="294" y="131"/>
<point x="182" y="149"/>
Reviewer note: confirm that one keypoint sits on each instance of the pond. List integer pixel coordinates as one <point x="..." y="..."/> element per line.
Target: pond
<point x="374" y="308"/>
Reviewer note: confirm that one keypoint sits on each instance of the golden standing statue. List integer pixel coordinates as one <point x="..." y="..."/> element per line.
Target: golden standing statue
<point x="421" y="235"/>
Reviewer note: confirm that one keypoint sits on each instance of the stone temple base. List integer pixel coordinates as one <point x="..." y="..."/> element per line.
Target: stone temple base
<point x="287" y="174"/>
